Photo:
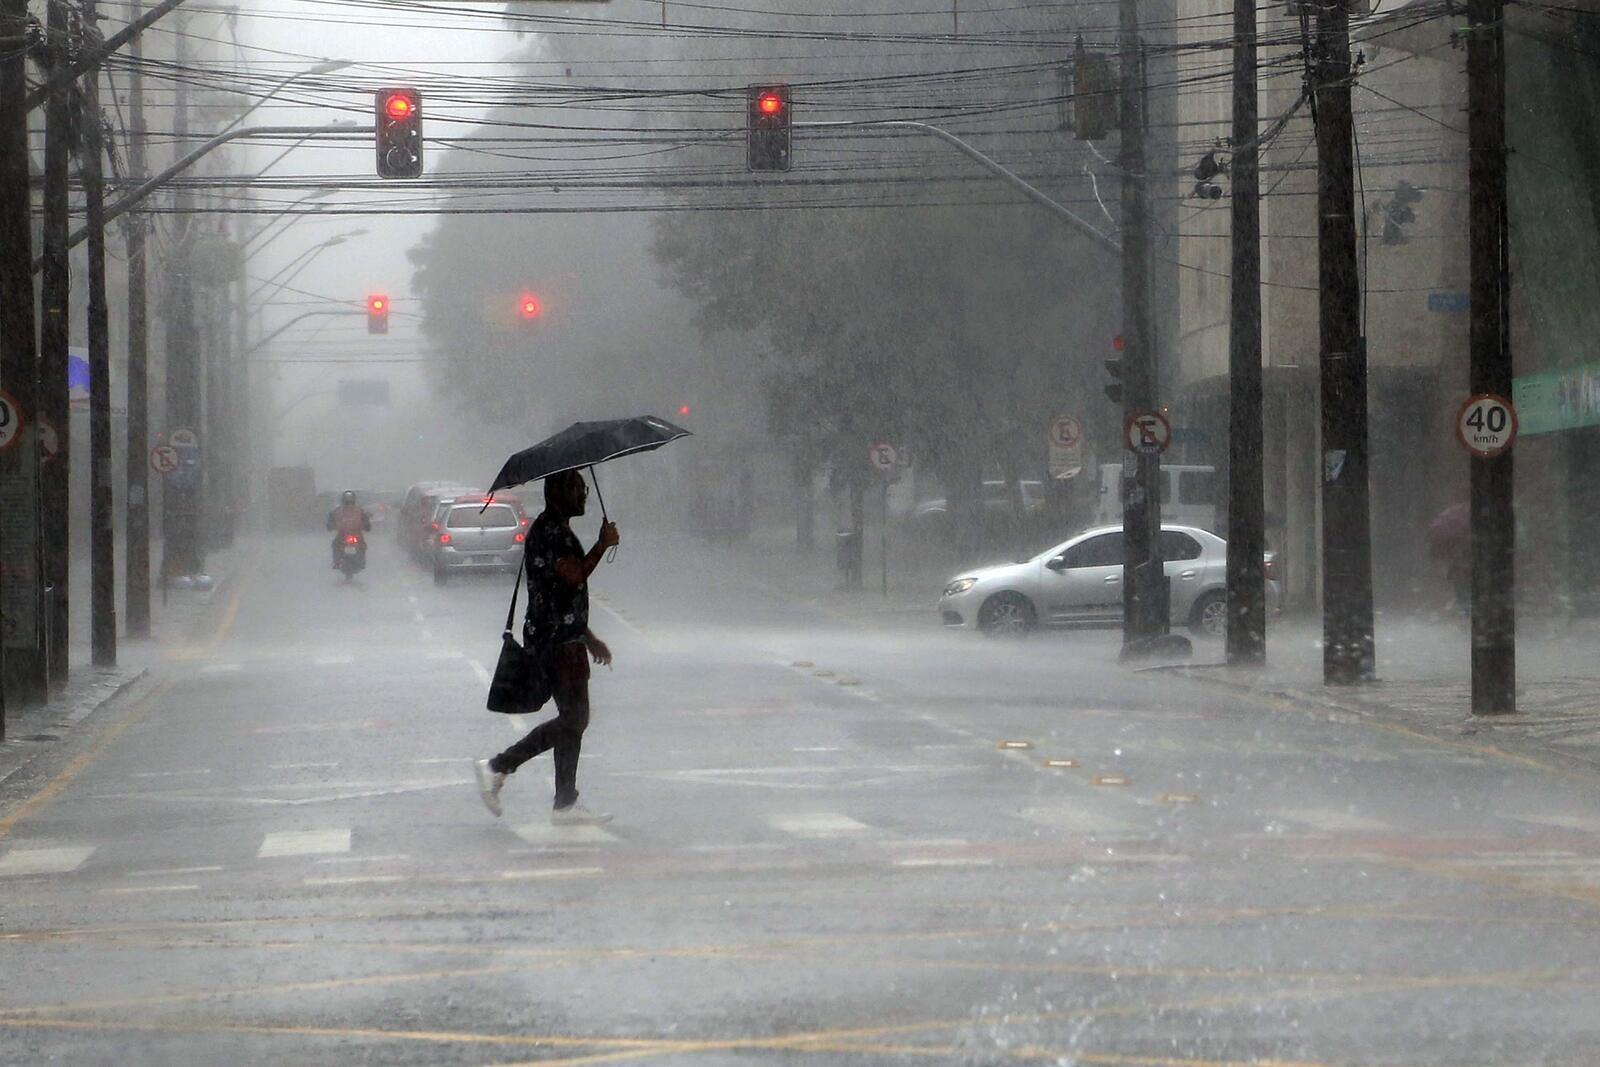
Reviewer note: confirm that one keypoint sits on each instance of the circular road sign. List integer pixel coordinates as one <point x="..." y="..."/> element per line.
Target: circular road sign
<point x="184" y="438"/>
<point x="10" y="422"/>
<point x="883" y="456"/>
<point x="1147" y="431"/>
<point x="1486" y="425"/>
<point x="1065" y="432"/>
<point x="163" y="459"/>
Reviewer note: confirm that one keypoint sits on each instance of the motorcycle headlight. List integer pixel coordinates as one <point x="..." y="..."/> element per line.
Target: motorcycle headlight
<point x="960" y="585"/>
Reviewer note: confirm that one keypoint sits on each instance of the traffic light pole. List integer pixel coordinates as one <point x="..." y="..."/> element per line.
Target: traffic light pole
<point x="54" y="339"/>
<point x="136" y="577"/>
<point x="1494" y="621"/>
<point x="102" y="545"/>
<point x="1347" y="618"/>
<point x="1246" y="639"/>
<point x="1145" y="611"/>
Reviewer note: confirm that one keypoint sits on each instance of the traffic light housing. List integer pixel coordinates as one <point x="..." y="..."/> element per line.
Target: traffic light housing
<point x="398" y="122"/>
<point x="1113" y="365"/>
<point x="1094" y="95"/>
<point x="377" y="313"/>
<point x="767" y="118"/>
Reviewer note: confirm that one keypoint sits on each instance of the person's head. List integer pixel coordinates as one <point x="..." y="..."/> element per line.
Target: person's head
<point x="566" y="494"/>
<point x="349" y="498"/>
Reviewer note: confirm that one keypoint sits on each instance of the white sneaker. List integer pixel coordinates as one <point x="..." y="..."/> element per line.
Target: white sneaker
<point x="489" y="783"/>
<point x="578" y="815"/>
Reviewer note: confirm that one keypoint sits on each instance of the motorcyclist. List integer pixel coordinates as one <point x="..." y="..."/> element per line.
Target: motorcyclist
<point x="348" y="519"/>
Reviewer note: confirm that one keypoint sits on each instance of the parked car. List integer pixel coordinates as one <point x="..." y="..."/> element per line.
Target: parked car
<point x="421" y="501"/>
<point x="474" y="533"/>
<point x="1078" y="584"/>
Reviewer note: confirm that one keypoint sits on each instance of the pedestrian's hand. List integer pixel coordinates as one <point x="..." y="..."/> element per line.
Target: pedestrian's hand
<point x="608" y="535"/>
<point x="599" y="650"/>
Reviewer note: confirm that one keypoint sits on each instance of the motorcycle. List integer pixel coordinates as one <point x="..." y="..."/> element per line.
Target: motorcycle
<point x="352" y="555"/>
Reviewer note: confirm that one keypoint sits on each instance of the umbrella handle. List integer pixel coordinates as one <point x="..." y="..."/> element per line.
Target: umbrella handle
<point x="611" y="555"/>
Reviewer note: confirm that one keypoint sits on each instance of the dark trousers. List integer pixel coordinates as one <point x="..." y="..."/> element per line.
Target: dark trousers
<point x="570" y="690"/>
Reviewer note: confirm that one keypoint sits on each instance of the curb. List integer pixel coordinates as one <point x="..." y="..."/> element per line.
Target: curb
<point x="53" y="723"/>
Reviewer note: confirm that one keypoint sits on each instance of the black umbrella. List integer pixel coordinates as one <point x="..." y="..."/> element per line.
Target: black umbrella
<point x="584" y="444"/>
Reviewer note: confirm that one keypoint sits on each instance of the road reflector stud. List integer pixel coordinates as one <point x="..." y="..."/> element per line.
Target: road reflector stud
<point x="802" y="663"/>
<point x="1178" y="798"/>
<point x="822" y="674"/>
<point x="1060" y="763"/>
<point x="1016" y="744"/>
<point x="1109" y="779"/>
<point x="849" y="681"/>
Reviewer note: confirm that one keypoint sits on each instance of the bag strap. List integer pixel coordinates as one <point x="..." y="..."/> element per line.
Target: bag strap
<point x="511" y="614"/>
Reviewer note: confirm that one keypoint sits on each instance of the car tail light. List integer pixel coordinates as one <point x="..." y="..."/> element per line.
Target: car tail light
<point x="433" y="526"/>
<point x="444" y="539"/>
<point x="521" y="537"/>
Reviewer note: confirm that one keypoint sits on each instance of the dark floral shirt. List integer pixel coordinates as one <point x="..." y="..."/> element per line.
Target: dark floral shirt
<point x="558" y="613"/>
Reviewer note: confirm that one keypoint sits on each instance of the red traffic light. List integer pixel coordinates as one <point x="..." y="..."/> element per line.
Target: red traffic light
<point x="769" y="103"/>
<point x="399" y="106"/>
<point x="1118" y="344"/>
<point x="377" y="304"/>
<point x="528" y="306"/>
<point x="683" y="409"/>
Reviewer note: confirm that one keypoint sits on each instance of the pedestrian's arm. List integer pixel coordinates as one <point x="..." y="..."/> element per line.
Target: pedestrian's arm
<point x="575" y="571"/>
<point x="597" y="648"/>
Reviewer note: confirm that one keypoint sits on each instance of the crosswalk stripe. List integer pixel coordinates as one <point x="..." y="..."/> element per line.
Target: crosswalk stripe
<point x="53" y="860"/>
<point x="304" y="843"/>
<point x="1335" y="820"/>
<point x="817" y="824"/>
<point x="547" y="833"/>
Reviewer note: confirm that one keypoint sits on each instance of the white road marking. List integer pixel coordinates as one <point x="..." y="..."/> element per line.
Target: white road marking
<point x="945" y="861"/>
<point x="303" y="843"/>
<point x="484" y="677"/>
<point x="1075" y="820"/>
<point x="149" y="889"/>
<point x="356" y="879"/>
<point x="221" y="668"/>
<point x="548" y="833"/>
<point x="552" y="872"/>
<point x="620" y="621"/>
<point x="169" y="872"/>
<point x="818" y="824"/>
<point x="393" y="857"/>
<point x="53" y="860"/>
<point x="333" y="661"/>
<point x="300" y="766"/>
<point x="1589" y="824"/>
<point x="1335" y="820"/>
<point x="822" y="748"/>
<point x="167" y="774"/>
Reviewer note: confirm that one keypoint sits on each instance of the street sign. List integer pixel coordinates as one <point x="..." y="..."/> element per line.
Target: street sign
<point x="10" y="422"/>
<point x="1065" y="432"/>
<point x="183" y="438"/>
<point x="49" y="442"/>
<point x="1146" y="431"/>
<point x="163" y="459"/>
<point x="1066" y="447"/>
<point x="884" y="457"/>
<point x="1486" y="425"/>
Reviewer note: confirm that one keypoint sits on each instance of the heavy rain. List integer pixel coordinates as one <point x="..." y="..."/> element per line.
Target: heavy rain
<point x="715" y="532"/>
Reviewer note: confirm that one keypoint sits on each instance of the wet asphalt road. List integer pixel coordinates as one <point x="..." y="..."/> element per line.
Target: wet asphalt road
<point x="835" y="843"/>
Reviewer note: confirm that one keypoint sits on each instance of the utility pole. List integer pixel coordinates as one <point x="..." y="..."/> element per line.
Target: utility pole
<point x="1347" y="624"/>
<point x="1145" y="613"/>
<point x="102" y="546"/>
<point x="1247" y="611"/>
<point x="23" y="671"/>
<point x="136" y="579"/>
<point x="1494" y="622"/>
<point x="54" y="338"/>
<point x="182" y="552"/>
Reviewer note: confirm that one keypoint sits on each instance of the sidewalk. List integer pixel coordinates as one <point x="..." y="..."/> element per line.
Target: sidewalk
<point x="1424" y="683"/>
<point x="32" y="731"/>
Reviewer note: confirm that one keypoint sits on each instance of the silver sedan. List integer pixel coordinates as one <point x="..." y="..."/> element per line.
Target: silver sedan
<point x="1078" y="583"/>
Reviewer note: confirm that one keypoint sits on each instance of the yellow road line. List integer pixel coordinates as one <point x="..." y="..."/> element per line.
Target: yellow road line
<point x="67" y="774"/>
<point x="230" y="614"/>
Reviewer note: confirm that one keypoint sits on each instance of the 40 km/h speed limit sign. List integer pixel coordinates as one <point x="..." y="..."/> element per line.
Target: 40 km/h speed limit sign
<point x="10" y="422"/>
<point x="1486" y="425"/>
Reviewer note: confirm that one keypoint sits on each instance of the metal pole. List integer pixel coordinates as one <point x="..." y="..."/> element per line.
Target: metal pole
<point x="94" y="57"/>
<point x="102" y="550"/>
<point x="182" y="551"/>
<point x="1347" y="621"/>
<point x="1144" y="601"/>
<point x="1494" y="623"/>
<point x="136" y="579"/>
<point x="54" y="338"/>
<point x="1247" y="612"/>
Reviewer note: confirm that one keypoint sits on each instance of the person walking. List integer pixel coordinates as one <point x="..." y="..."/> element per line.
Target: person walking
<point x="558" y="625"/>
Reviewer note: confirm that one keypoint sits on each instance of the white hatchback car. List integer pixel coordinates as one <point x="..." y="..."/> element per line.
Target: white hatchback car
<point x="1078" y="583"/>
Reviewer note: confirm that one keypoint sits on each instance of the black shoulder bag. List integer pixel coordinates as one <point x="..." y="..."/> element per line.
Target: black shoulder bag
<point x="521" y="683"/>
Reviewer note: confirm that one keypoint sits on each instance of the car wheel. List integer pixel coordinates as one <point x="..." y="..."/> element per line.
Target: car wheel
<point x="1209" y="618"/>
<point x="1006" y="615"/>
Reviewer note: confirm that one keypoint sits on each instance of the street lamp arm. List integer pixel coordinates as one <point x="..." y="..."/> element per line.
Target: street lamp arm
<point x="99" y="55"/>
<point x="298" y="318"/>
<point x="1027" y="188"/>
<point x="138" y="195"/>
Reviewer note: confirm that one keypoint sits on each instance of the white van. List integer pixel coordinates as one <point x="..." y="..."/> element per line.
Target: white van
<point x="1188" y="496"/>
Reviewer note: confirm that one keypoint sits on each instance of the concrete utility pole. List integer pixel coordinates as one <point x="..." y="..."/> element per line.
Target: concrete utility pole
<point x="1145" y="612"/>
<point x="182" y="550"/>
<point x="23" y="671"/>
<point x="55" y="336"/>
<point x="1247" y="611"/>
<point x="1347" y="625"/>
<point x="136" y="580"/>
<point x="1494" y="622"/>
<point x="102" y="557"/>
